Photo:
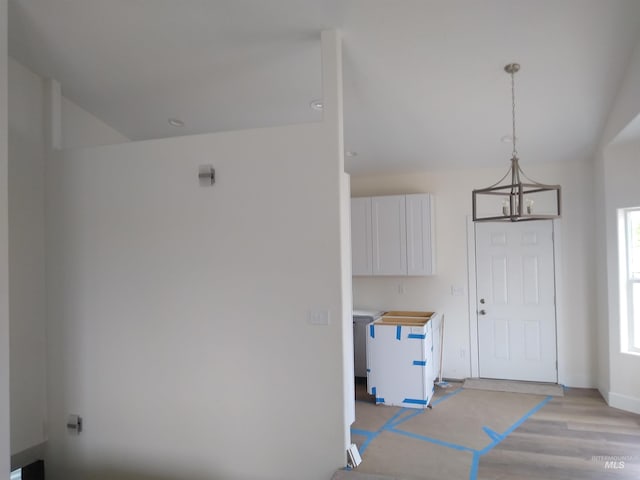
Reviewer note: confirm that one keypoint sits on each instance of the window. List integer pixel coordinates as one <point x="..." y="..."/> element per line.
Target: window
<point x="630" y="279"/>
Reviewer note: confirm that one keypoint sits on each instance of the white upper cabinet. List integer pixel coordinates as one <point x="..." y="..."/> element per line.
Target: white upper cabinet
<point x="361" y="236"/>
<point x="389" y="237"/>
<point x="420" y="252"/>
<point x="393" y="235"/>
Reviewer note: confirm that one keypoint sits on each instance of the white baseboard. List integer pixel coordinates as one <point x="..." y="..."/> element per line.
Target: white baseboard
<point x="576" y="381"/>
<point x="623" y="402"/>
<point x="605" y="395"/>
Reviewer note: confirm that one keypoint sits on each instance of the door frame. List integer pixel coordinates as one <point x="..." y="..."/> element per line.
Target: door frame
<point x="473" y="298"/>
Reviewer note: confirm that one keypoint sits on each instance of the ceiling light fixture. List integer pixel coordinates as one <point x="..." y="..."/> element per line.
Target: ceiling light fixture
<point x="316" y="104"/>
<point x="517" y="197"/>
<point x="176" y="122"/>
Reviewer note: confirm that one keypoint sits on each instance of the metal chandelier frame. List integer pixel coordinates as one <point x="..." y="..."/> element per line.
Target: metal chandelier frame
<point x="514" y="193"/>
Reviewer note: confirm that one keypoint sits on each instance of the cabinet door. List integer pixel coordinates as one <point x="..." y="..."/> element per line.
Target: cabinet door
<point x="420" y="258"/>
<point x="389" y="235"/>
<point x="361" y="236"/>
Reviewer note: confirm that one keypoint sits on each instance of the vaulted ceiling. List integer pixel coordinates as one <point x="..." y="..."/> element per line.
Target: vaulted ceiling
<point x="424" y="85"/>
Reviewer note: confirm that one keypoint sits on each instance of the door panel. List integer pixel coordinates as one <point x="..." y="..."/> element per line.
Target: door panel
<point x="516" y="295"/>
<point x="532" y="340"/>
<point x="499" y="292"/>
<point x="530" y="292"/>
<point x="501" y="338"/>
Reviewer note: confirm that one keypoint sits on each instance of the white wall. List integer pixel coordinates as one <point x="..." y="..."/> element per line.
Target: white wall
<point x="622" y="163"/>
<point x="613" y="191"/>
<point x="83" y="129"/>
<point x="5" y="430"/>
<point x="627" y="102"/>
<point x="26" y="190"/>
<point x="26" y="258"/>
<point x="178" y="314"/>
<point x="452" y="190"/>
<point x="602" y="282"/>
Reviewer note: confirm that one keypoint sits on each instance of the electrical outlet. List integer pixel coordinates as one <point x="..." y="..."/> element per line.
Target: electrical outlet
<point x="401" y="288"/>
<point x="463" y="353"/>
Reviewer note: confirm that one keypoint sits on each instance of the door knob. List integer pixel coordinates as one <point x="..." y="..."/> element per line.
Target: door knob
<point x="482" y="300"/>
<point x="482" y="312"/>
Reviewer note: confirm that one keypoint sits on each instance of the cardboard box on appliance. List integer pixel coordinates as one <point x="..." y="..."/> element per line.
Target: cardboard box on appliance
<point x="400" y="359"/>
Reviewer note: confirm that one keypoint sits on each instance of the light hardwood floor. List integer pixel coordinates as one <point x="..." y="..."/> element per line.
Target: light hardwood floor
<point x="572" y="437"/>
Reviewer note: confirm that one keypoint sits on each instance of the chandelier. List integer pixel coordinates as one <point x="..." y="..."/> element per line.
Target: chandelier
<point x="510" y="199"/>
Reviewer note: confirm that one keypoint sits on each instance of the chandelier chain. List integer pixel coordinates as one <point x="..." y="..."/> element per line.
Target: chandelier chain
<point x="513" y="112"/>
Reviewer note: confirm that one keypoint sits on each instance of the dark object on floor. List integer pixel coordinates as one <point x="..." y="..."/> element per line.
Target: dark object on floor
<point x="33" y="471"/>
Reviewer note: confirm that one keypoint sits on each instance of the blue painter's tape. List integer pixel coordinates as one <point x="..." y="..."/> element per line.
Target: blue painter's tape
<point x="445" y="397"/>
<point x="473" y="474"/>
<point x="495" y="436"/>
<point x="365" y="433"/>
<point x="420" y="363"/>
<point x="400" y="417"/>
<point x="368" y="369"/>
<point x="499" y="437"/>
<point x="461" y="448"/>
<point x="418" y="336"/>
<point x="388" y="425"/>
<point x="415" y="401"/>
<point x="398" y="332"/>
<point x="509" y="430"/>
<point x="393" y="421"/>
<point x="432" y="348"/>
<point x="372" y="331"/>
<point x="374" y="392"/>
<point x="405" y="418"/>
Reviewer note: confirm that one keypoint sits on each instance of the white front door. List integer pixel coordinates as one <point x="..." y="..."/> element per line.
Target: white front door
<point x="516" y="301"/>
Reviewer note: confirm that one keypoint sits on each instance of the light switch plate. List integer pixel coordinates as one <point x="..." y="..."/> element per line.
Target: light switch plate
<point x="318" y="317"/>
<point x="457" y="291"/>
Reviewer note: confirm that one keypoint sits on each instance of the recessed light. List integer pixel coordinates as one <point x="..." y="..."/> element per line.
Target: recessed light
<point x="350" y="153"/>
<point x="176" y="122"/>
<point x="316" y="104"/>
